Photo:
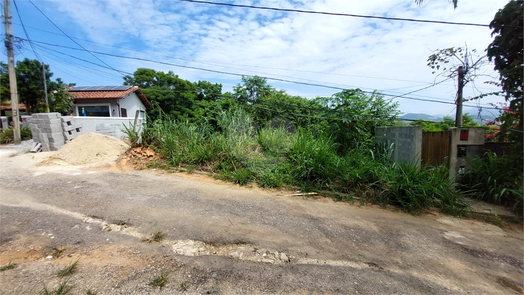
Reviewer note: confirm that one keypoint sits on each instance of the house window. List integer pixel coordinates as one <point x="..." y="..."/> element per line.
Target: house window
<point x="124" y="112"/>
<point x="94" y="111"/>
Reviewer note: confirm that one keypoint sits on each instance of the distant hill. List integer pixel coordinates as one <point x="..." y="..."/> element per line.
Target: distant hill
<point x="416" y="116"/>
<point x="486" y="116"/>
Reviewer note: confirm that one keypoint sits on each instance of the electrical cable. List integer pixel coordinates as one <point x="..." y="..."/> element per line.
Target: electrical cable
<point x="26" y="34"/>
<point x="336" y="14"/>
<point x="72" y="38"/>
<point x="237" y="74"/>
<point x="249" y="66"/>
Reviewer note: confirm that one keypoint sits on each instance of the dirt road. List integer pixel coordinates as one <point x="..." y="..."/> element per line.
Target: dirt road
<point x="225" y="239"/>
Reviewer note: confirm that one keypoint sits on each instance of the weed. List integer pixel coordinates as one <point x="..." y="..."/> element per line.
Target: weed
<point x="62" y="289"/>
<point x="271" y="179"/>
<point x="68" y="270"/>
<point x="132" y="134"/>
<point x="121" y="222"/>
<point x="157" y="163"/>
<point x="89" y="292"/>
<point x="156" y="237"/>
<point x="8" y="266"/>
<point x="56" y="252"/>
<point x="184" y="286"/>
<point x="159" y="281"/>
<point x="190" y="169"/>
<point x="242" y="176"/>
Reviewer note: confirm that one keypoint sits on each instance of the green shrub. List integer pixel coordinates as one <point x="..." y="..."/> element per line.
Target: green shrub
<point x="493" y="179"/>
<point x="271" y="179"/>
<point x="7" y="136"/>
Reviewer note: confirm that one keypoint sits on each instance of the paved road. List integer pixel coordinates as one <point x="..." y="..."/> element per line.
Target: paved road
<point x="225" y="239"/>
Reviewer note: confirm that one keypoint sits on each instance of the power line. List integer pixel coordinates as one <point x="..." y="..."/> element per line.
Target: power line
<point x="238" y="74"/>
<point x="337" y="14"/>
<point x="72" y="38"/>
<point x="25" y="32"/>
<point x="249" y="66"/>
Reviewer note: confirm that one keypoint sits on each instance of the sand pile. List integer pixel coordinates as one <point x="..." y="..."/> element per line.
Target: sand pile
<point x="88" y="149"/>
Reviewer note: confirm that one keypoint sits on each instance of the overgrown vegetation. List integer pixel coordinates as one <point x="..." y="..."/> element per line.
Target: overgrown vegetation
<point x="309" y="157"/>
<point x="495" y="180"/>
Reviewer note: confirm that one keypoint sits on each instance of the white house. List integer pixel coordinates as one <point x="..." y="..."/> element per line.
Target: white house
<point x="109" y="101"/>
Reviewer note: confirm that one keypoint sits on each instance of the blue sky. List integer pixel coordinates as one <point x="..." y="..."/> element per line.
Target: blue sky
<point x="388" y="56"/>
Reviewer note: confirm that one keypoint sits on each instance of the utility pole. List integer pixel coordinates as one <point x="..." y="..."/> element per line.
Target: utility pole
<point x="458" y="116"/>
<point x="45" y="89"/>
<point x="12" y="74"/>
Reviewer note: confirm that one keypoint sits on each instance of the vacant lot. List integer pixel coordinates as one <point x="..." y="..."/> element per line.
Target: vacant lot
<point x="224" y="239"/>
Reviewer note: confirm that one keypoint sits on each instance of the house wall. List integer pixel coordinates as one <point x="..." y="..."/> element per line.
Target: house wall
<point x="107" y="126"/>
<point x="132" y="104"/>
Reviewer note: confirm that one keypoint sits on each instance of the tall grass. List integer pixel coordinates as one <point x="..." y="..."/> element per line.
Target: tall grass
<point x="274" y="157"/>
<point x="495" y="180"/>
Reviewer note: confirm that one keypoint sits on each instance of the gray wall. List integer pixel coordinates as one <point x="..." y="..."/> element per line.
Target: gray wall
<point x="406" y="140"/>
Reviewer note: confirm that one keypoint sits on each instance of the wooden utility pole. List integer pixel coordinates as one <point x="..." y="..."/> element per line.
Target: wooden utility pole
<point x="45" y="88"/>
<point x="15" y="112"/>
<point x="458" y="116"/>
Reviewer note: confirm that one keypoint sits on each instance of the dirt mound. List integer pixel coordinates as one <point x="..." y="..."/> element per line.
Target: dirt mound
<point x="88" y="149"/>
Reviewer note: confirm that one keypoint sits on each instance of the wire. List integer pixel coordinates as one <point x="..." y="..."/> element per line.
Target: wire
<point x="26" y="34"/>
<point x="251" y="66"/>
<point x="238" y="74"/>
<point x="338" y="14"/>
<point x="72" y="38"/>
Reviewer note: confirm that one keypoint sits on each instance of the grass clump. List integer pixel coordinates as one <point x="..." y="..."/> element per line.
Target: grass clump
<point x="68" y="270"/>
<point x="8" y="266"/>
<point x="160" y="281"/>
<point x="156" y="237"/>
<point x="62" y="289"/>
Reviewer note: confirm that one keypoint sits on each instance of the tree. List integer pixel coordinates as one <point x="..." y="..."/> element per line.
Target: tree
<point x="506" y="51"/>
<point x="30" y="83"/>
<point x="60" y="100"/>
<point x="252" y="89"/>
<point x="354" y="114"/>
<point x="168" y="93"/>
<point x="444" y="125"/>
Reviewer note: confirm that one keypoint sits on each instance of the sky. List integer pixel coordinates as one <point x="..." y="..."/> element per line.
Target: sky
<point x="335" y="51"/>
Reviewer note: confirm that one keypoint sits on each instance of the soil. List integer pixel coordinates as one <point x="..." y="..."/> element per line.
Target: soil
<point x="221" y="238"/>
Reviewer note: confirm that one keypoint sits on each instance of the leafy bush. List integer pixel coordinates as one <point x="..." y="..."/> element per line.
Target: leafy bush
<point x="493" y="179"/>
<point x="7" y="136"/>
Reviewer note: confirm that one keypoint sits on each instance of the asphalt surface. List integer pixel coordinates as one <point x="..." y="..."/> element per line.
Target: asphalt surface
<point x="225" y="239"/>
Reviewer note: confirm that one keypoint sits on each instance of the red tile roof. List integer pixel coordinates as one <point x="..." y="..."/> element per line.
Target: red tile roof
<point x="113" y="94"/>
<point x="21" y="107"/>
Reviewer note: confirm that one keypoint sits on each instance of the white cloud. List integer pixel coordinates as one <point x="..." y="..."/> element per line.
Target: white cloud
<point x="298" y="42"/>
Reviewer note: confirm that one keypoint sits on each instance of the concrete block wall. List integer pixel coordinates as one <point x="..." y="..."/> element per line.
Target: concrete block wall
<point x="406" y="140"/>
<point x="70" y="128"/>
<point x="48" y="129"/>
